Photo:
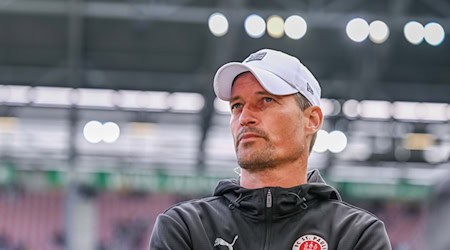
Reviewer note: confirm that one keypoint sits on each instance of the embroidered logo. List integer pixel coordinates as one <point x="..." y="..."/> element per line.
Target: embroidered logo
<point x="256" y="57"/>
<point x="309" y="89"/>
<point x="310" y="242"/>
<point x="222" y="242"/>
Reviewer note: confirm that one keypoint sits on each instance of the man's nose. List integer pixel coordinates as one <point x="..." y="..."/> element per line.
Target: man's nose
<point x="247" y="116"/>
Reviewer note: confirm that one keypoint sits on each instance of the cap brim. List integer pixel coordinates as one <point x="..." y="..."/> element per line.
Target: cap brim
<point x="223" y="80"/>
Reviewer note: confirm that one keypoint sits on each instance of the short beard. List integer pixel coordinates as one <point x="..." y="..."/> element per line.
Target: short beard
<point x="258" y="161"/>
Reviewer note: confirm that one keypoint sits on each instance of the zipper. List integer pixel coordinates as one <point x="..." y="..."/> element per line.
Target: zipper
<point x="269" y="199"/>
<point x="269" y="203"/>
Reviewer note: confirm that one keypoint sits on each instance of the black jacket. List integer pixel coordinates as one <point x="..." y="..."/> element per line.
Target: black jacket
<point x="310" y="216"/>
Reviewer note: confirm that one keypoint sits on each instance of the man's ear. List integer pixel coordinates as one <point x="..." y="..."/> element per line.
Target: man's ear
<point x="314" y="119"/>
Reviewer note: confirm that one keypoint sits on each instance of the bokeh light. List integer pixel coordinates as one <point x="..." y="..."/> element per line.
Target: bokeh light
<point x="378" y="31"/>
<point x="255" y="26"/>
<point x="275" y="26"/>
<point x="218" y="24"/>
<point x="92" y="131"/>
<point x="111" y="132"/>
<point x="295" y="27"/>
<point x="321" y="144"/>
<point x="337" y="141"/>
<point x="434" y="34"/>
<point x="357" y="29"/>
<point x="414" y="32"/>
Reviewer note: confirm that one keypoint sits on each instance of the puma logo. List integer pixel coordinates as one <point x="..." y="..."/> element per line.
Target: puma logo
<point x="222" y="242"/>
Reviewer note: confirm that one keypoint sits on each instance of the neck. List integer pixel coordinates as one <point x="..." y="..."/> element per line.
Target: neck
<point x="280" y="176"/>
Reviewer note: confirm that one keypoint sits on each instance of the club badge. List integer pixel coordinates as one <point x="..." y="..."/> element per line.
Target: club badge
<point x="310" y="242"/>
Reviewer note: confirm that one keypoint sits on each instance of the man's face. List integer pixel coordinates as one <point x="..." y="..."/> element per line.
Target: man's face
<point x="268" y="130"/>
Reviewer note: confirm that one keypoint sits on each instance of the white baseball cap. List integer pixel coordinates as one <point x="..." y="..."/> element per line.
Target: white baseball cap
<point x="277" y="72"/>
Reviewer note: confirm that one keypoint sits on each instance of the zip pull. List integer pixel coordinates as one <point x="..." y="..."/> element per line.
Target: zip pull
<point x="269" y="199"/>
<point x="304" y="205"/>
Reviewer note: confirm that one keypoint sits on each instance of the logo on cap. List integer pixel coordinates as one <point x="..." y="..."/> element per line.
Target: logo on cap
<point x="310" y="242"/>
<point x="309" y="89"/>
<point x="256" y="57"/>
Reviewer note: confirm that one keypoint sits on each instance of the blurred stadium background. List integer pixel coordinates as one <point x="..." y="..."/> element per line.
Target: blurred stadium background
<point x="108" y="117"/>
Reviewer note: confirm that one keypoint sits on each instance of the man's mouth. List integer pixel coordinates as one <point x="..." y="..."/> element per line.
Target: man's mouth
<point x="246" y="136"/>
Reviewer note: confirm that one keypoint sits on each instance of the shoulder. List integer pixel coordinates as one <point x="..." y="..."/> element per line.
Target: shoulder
<point x="175" y="227"/>
<point x="357" y="228"/>
<point x="186" y="224"/>
<point x="357" y="222"/>
<point x="341" y="215"/>
<point x="347" y="211"/>
<point x="196" y="207"/>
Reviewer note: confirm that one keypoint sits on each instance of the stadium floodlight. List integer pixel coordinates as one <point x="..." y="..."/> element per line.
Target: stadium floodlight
<point x="357" y="29"/>
<point x="16" y="94"/>
<point x="351" y="108"/>
<point x="92" y="131"/>
<point x="414" y="32"/>
<point x="186" y="102"/>
<point x="95" y="132"/>
<point x="405" y="110"/>
<point x="57" y="96"/>
<point x="4" y="93"/>
<point x="321" y="144"/>
<point x="255" y="26"/>
<point x="110" y="132"/>
<point x="102" y="98"/>
<point x="295" y="27"/>
<point x="330" y="107"/>
<point x="275" y="26"/>
<point x="427" y="111"/>
<point x="218" y="24"/>
<point x="373" y="109"/>
<point x="337" y="141"/>
<point x="378" y="31"/>
<point x="434" y="34"/>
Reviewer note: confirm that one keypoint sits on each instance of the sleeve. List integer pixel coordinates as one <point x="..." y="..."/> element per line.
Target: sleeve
<point x="374" y="237"/>
<point x="169" y="233"/>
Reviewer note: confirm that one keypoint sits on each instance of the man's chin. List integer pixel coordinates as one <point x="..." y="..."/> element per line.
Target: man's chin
<point x="250" y="147"/>
<point x="254" y="164"/>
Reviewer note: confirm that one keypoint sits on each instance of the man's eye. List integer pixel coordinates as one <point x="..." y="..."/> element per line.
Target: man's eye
<point x="268" y="99"/>
<point x="235" y="106"/>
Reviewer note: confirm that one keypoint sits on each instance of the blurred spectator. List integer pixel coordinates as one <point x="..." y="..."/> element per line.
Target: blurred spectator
<point x="4" y="242"/>
<point x="129" y="234"/>
<point x="438" y="223"/>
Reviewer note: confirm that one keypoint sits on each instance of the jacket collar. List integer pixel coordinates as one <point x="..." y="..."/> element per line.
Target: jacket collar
<point x="285" y="201"/>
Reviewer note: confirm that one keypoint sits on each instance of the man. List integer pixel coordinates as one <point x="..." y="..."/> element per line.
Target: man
<point x="276" y="203"/>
